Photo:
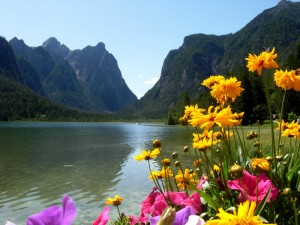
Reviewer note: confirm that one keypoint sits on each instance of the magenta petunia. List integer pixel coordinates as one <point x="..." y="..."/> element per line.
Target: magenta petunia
<point x="103" y="217"/>
<point x="193" y="201"/>
<point x="55" y="215"/>
<point x="253" y="187"/>
<point x="147" y="204"/>
<point x="156" y="203"/>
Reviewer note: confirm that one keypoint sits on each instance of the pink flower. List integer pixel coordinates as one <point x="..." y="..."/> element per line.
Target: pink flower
<point x="103" y="218"/>
<point x="202" y="182"/>
<point x="149" y="201"/>
<point x="155" y="203"/>
<point x="253" y="187"/>
<point x="193" y="201"/>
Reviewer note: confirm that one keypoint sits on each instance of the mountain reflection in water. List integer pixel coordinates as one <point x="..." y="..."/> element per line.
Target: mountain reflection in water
<point x="39" y="162"/>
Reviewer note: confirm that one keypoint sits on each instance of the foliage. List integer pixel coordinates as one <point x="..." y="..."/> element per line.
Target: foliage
<point x="202" y="55"/>
<point x="232" y="178"/>
<point x="226" y="171"/>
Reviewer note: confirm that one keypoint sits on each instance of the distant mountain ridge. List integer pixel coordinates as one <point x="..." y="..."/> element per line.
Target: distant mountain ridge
<point x="87" y="79"/>
<point x="203" y="55"/>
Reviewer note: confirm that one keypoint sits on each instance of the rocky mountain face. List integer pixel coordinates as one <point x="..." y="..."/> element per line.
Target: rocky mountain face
<point x="101" y="79"/>
<point x="87" y="79"/>
<point x="8" y="62"/>
<point x="203" y="55"/>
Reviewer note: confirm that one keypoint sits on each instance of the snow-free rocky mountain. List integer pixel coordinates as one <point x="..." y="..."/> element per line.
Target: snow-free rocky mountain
<point x="87" y="79"/>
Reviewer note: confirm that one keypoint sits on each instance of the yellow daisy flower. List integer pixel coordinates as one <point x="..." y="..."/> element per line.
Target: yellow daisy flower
<point x="263" y="60"/>
<point x="212" y="80"/>
<point x="147" y="155"/>
<point x="185" y="179"/>
<point x="286" y="79"/>
<point x="221" y="118"/>
<point x="226" y="90"/>
<point x="164" y="173"/>
<point x="260" y="164"/>
<point x="245" y="216"/>
<point x="114" y="201"/>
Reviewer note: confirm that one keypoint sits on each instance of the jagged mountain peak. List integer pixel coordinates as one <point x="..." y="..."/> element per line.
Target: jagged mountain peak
<point x="16" y="40"/>
<point x="55" y="48"/>
<point x="100" y="45"/>
<point x="284" y="3"/>
<point x="52" y="41"/>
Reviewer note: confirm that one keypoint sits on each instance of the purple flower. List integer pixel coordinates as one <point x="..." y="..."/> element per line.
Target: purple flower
<point x="253" y="187"/>
<point x="55" y="215"/>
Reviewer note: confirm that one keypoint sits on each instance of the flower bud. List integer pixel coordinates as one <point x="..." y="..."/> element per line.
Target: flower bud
<point x="174" y="155"/>
<point x="269" y="159"/>
<point x="287" y="191"/>
<point x="177" y="163"/>
<point x="197" y="162"/>
<point x="236" y="171"/>
<point x="191" y="171"/>
<point x="156" y="143"/>
<point x="167" y="217"/>
<point x="186" y="148"/>
<point x="279" y="158"/>
<point x="251" y="135"/>
<point x="166" y="162"/>
<point x="256" y="144"/>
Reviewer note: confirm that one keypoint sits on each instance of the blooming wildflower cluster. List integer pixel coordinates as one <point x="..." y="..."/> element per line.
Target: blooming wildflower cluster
<point x="291" y="130"/>
<point x="287" y="79"/>
<point x="222" y="89"/>
<point x="226" y="182"/>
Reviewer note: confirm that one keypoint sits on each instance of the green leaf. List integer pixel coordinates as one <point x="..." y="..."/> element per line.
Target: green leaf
<point x="211" y="202"/>
<point x="261" y="206"/>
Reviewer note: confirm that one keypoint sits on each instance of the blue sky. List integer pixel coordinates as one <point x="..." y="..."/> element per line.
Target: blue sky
<point x="139" y="33"/>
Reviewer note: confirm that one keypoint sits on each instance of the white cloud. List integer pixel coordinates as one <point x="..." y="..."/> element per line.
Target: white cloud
<point x="151" y="80"/>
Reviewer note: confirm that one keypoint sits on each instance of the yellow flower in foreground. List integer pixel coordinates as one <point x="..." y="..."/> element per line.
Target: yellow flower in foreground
<point x="290" y="130"/>
<point x="226" y="90"/>
<point x="244" y="216"/>
<point x="287" y="80"/>
<point x="283" y="127"/>
<point x="263" y="60"/>
<point x="221" y="117"/>
<point x="189" y="109"/>
<point x="206" y="139"/>
<point x="260" y="164"/>
<point x="114" y="201"/>
<point x="147" y="155"/>
<point x="185" y="179"/>
<point x="164" y="173"/>
<point x="212" y="80"/>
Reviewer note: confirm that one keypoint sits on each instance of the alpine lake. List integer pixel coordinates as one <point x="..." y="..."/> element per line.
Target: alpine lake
<point x="42" y="161"/>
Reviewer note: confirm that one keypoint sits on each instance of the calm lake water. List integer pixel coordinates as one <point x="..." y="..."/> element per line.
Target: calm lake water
<point x="39" y="162"/>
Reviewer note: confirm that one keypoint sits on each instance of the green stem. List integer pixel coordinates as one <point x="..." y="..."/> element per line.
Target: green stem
<point x="295" y="211"/>
<point x="119" y="212"/>
<point x="280" y="120"/>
